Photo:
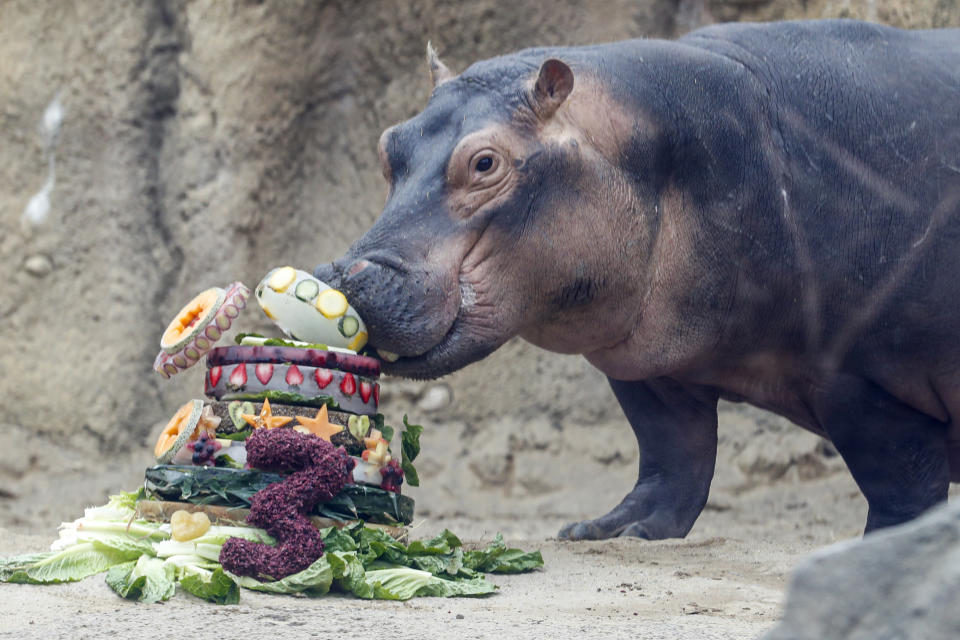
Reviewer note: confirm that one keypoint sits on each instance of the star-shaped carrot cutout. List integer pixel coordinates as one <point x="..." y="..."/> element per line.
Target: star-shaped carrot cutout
<point x="320" y="425"/>
<point x="266" y="419"/>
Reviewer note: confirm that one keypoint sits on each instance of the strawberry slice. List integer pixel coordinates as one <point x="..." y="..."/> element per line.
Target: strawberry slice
<point x="294" y="377"/>
<point x="263" y="372"/>
<point x="349" y="384"/>
<point x="365" y="390"/>
<point x="376" y="395"/>
<point x="215" y="374"/>
<point x="238" y="377"/>
<point x="323" y="377"/>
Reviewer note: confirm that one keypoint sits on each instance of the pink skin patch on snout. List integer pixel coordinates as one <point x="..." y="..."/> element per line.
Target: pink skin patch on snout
<point x="357" y="267"/>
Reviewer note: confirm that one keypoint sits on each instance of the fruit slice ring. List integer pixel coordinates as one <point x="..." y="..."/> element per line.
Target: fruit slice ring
<point x="198" y="326"/>
<point x="178" y="431"/>
<point x="191" y="320"/>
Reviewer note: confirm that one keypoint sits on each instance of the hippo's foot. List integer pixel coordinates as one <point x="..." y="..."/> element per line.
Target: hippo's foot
<point x="603" y="528"/>
<point x="638" y="516"/>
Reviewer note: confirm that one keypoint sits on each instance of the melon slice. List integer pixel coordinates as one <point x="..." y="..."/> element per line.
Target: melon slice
<point x="192" y="319"/>
<point x="178" y="431"/>
<point x="200" y="328"/>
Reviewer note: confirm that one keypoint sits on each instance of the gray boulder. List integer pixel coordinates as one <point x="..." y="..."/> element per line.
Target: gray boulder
<point x="895" y="584"/>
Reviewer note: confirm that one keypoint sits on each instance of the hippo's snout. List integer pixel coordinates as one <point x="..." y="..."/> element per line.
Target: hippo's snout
<point x="358" y="266"/>
<point x="401" y="306"/>
<point x="329" y="273"/>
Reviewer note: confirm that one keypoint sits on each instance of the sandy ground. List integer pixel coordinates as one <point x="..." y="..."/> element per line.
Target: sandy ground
<point x="725" y="580"/>
<point x="778" y="494"/>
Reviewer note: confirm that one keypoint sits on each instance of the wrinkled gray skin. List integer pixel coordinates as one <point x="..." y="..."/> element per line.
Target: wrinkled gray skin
<point x="764" y="213"/>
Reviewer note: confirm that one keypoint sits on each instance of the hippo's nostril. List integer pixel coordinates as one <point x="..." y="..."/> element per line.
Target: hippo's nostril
<point x="357" y="267"/>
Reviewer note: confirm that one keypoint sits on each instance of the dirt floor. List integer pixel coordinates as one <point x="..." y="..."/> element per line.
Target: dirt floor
<point x="725" y="580"/>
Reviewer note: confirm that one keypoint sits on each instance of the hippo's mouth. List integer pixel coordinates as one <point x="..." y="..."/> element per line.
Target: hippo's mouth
<point x="462" y="344"/>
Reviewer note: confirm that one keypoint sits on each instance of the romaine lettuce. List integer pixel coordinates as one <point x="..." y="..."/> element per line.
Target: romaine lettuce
<point x="148" y="579"/>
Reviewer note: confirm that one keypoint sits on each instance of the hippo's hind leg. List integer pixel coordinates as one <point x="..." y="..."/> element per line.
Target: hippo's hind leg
<point x="676" y="428"/>
<point x="897" y="455"/>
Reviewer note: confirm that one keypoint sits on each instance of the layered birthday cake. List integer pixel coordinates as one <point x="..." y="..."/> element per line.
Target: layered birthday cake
<point x="289" y="437"/>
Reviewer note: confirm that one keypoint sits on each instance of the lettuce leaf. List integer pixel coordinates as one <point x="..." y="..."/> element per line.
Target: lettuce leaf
<point x="441" y="555"/>
<point x="214" y="586"/>
<point x="349" y="574"/>
<point x="399" y="583"/>
<point x="15" y="569"/>
<point x="497" y="558"/>
<point x="315" y="580"/>
<point x="335" y="539"/>
<point x="148" y="579"/>
<point x="446" y="588"/>
<point x="66" y="565"/>
<point x="403" y="583"/>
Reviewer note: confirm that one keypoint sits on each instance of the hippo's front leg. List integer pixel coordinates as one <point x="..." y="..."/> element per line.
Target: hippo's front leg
<point x="676" y="428"/>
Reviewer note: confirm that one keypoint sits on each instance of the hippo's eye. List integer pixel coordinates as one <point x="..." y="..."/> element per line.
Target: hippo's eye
<point x="484" y="164"/>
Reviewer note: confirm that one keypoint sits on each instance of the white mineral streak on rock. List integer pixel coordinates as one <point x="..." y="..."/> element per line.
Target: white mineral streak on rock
<point x="38" y="208"/>
<point x="52" y="119"/>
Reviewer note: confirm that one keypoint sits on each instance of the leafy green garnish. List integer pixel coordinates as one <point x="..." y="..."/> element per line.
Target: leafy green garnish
<point x="497" y="558"/>
<point x="236" y="487"/>
<point x="262" y="340"/>
<point x="227" y="462"/>
<point x="280" y="342"/>
<point x="410" y="449"/>
<point x="386" y="432"/>
<point x="284" y="397"/>
<point x="236" y="435"/>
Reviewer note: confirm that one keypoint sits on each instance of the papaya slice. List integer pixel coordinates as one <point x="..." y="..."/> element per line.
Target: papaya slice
<point x="200" y="327"/>
<point x="178" y="431"/>
<point x="192" y="319"/>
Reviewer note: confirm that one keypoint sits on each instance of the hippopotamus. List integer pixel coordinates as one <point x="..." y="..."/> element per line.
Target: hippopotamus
<point x="765" y="213"/>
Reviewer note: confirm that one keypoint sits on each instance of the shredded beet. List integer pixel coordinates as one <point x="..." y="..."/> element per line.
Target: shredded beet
<point x="320" y="472"/>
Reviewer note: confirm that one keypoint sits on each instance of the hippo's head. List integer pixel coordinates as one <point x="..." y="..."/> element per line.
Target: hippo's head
<point x="505" y="216"/>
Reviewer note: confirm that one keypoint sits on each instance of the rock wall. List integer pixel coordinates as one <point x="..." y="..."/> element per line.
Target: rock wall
<point x="153" y="149"/>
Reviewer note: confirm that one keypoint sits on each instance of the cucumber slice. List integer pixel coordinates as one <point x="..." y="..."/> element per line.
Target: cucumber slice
<point x="348" y="326"/>
<point x="307" y="290"/>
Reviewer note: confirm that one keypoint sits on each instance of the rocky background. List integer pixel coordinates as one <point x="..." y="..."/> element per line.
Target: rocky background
<point x="153" y="149"/>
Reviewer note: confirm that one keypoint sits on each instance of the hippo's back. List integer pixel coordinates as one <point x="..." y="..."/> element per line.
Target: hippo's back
<point x="865" y="123"/>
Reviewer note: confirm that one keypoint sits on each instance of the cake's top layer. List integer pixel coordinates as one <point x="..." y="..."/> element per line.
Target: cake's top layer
<point x="351" y="363"/>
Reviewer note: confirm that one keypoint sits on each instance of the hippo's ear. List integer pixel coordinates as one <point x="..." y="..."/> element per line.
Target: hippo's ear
<point x="554" y="84"/>
<point x="439" y="72"/>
